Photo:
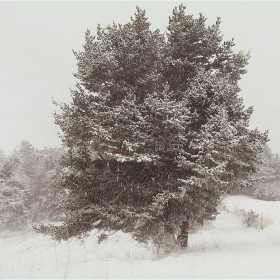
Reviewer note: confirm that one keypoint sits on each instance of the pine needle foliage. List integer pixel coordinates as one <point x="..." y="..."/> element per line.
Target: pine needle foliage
<point x="156" y="131"/>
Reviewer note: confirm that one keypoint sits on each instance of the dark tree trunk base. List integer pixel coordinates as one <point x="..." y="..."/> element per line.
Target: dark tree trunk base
<point x="183" y="237"/>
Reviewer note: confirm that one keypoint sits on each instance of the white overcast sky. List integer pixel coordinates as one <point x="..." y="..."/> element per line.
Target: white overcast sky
<point x="36" y="60"/>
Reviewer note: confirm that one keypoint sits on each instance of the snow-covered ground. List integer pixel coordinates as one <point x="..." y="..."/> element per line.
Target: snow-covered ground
<point x="225" y="248"/>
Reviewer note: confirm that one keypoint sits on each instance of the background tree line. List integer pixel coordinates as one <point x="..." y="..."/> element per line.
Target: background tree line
<point x="28" y="186"/>
<point x="267" y="185"/>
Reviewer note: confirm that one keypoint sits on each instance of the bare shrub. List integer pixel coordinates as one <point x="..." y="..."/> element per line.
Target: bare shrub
<point x="252" y="219"/>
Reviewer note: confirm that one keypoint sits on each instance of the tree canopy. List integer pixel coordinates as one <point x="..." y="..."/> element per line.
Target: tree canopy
<point x="156" y="130"/>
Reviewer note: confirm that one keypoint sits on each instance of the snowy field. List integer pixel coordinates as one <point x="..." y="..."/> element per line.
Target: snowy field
<point x="224" y="248"/>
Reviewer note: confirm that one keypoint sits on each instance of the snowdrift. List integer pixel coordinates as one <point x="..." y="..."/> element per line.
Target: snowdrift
<point x="225" y="248"/>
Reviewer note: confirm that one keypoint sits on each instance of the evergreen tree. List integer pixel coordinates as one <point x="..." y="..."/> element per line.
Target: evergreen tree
<point x="156" y="131"/>
<point x="13" y="204"/>
<point x="192" y="46"/>
<point x="29" y="180"/>
<point x="268" y="185"/>
<point x="122" y="59"/>
<point x="14" y="195"/>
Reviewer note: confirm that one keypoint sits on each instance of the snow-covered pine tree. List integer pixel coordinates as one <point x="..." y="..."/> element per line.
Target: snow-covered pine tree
<point x="192" y="46"/>
<point x="156" y="131"/>
<point x="268" y="185"/>
<point x="122" y="59"/>
<point x="29" y="180"/>
<point x="14" y="194"/>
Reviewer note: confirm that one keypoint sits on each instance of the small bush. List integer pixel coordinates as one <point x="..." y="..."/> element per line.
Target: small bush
<point x="250" y="219"/>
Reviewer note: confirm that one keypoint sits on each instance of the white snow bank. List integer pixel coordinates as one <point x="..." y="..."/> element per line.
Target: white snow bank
<point x="268" y="209"/>
<point x="226" y="249"/>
